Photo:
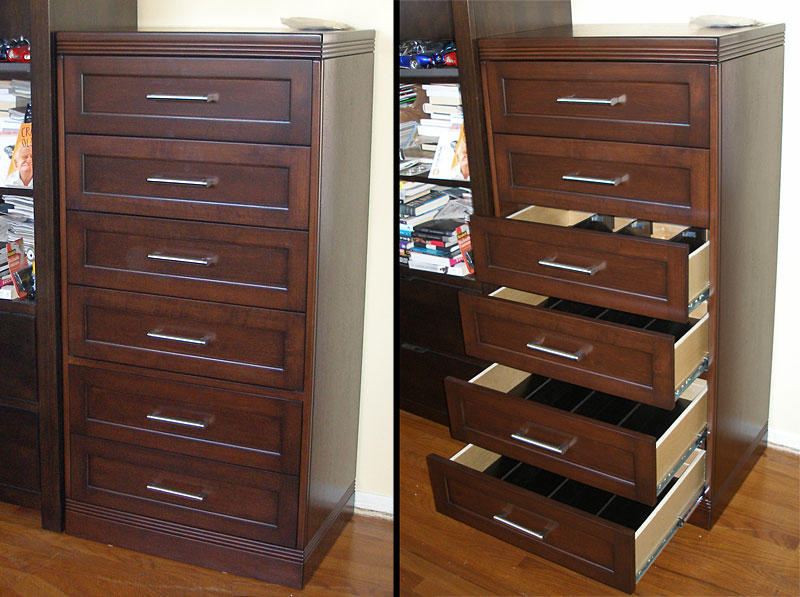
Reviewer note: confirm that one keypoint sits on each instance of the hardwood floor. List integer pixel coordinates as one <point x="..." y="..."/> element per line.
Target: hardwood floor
<point x="752" y="550"/>
<point x="38" y="563"/>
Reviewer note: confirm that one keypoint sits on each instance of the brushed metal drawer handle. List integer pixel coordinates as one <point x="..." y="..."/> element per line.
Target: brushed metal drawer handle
<point x="207" y="98"/>
<point x="544" y="446"/>
<point x="572" y="356"/>
<point x="591" y="270"/>
<point x="611" y="101"/>
<point x="199" y="182"/>
<point x="535" y="534"/>
<point x="159" y="335"/>
<point x="610" y="181"/>
<point x="157" y="416"/>
<point x="199" y="497"/>
<point x="206" y="261"/>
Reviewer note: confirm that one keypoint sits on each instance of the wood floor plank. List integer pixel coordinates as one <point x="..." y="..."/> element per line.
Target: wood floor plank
<point x="752" y="550"/>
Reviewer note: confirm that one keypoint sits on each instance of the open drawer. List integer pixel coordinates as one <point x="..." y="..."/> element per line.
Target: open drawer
<point x="628" y="448"/>
<point x="653" y="269"/>
<point x="644" y="359"/>
<point x="596" y="533"/>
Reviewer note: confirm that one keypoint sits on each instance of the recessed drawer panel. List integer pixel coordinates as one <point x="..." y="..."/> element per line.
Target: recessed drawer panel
<point x="255" y="185"/>
<point x="18" y="357"/>
<point x="232" y="264"/>
<point x="19" y="453"/>
<point x="249" y="503"/>
<point x="668" y="105"/>
<point x="259" y="101"/>
<point x="643" y="359"/>
<point x="653" y="182"/>
<point x="596" y="533"/>
<point x="234" y="427"/>
<point x="611" y="443"/>
<point x="647" y="276"/>
<point x="257" y="346"/>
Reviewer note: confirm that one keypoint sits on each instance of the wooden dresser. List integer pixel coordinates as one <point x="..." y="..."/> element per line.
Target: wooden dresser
<point x="636" y="178"/>
<point x="214" y="212"/>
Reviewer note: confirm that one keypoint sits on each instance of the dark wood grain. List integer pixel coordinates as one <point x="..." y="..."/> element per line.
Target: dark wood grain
<point x="19" y="456"/>
<point x="18" y="357"/>
<point x="248" y="184"/>
<point x="244" y="265"/>
<point x="665" y="184"/>
<point x="642" y="276"/>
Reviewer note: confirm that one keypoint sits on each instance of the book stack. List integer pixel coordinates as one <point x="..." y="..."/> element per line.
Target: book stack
<point x="18" y="219"/>
<point x="423" y="201"/>
<point x="6" y="283"/>
<point x="408" y="94"/>
<point x="443" y="108"/>
<point x="442" y="246"/>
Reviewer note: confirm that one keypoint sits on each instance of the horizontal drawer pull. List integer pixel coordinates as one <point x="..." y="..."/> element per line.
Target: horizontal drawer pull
<point x="159" y="335"/>
<point x="189" y="496"/>
<point x="592" y="269"/>
<point x="199" y="182"/>
<point x="544" y="446"/>
<point x="610" y="181"/>
<point x="572" y="356"/>
<point x="612" y="101"/>
<point x="192" y="260"/>
<point x="535" y="534"/>
<point x="157" y="416"/>
<point x="207" y="98"/>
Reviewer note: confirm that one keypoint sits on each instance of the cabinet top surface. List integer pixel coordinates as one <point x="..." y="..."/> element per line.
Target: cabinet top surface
<point x="255" y="43"/>
<point x="658" y="41"/>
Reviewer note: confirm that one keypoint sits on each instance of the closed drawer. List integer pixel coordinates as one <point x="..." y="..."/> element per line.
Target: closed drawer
<point x="639" y="358"/>
<point x="668" y="105"/>
<point x="19" y="452"/>
<point x="596" y="533"/>
<point x="235" y="427"/>
<point x="611" y="443"/>
<point x="232" y="264"/>
<point x="18" y="357"/>
<point x="248" y="503"/>
<point x="259" y="101"/>
<point x="649" y="276"/>
<point x="654" y="182"/>
<point x="246" y="344"/>
<point x="255" y="185"/>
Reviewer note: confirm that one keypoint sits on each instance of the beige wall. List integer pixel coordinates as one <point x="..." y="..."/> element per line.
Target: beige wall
<point x="784" y="413"/>
<point x="374" y="477"/>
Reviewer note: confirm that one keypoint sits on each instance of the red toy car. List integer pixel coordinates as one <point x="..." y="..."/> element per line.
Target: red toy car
<point x="450" y="59"/>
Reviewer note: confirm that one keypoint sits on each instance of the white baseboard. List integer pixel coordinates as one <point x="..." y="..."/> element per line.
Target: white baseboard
<point x="374" y="504"/>
<point x="783" y="439"/>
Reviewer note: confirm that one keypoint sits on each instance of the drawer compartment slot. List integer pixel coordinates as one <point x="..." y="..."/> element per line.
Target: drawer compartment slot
<point x="654" y="269"/>
<point x="625" y="447"/>
<point x="597" y="533"/>
<point x="632" y="356"/>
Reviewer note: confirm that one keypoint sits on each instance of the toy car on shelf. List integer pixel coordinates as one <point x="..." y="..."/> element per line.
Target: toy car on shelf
<point x="424" y="54"/>
<point x="15" y="50"/>
<point x="450" y="59"/>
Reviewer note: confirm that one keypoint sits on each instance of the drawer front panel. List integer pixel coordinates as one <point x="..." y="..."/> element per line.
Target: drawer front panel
<point x="232" y="264"/>
<point x="668" y="105"/>
<point x="19" y="449"/>
<point x="641" y="276"/>
<point x="234" y="427"/>
<point x="260" y="101"/>
<point x="209" y="495"/>
<point x="18" y="357"/>
<point x="616" y="359"/>
<point x="246" y="344"/>
<point x="215" y="182"/>
<point x="651" y="182"/>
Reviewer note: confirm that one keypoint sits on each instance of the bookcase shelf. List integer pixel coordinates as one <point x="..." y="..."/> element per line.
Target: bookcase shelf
<point x="24" y="306"/>
<point x="15" y="67"/>
<point x="437" y="181"/>
<point x="19" y="191"/>
<point x="432" y="75"/>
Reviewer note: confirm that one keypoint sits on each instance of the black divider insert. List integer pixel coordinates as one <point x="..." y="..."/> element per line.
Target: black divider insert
<point x="641" y="228"/>
<point x="573" y="308"/>
<point x="526" y="476"/>
<point x="607" y="408"/>
<point x="597" y="222"/>
<point x="694" y="237"/>
<point x="559" y="394"/>
<point x="632" y="514"/>
<point x="671" y="327"/>
<point x="655" y="421"/>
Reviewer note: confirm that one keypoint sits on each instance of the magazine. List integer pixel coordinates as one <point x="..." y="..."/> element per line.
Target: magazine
<point x="20" y="171"/>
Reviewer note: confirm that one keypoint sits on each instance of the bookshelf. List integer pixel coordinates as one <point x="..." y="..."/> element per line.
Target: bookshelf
<point x="430" y="344"/>
<point x="31" y="460"/>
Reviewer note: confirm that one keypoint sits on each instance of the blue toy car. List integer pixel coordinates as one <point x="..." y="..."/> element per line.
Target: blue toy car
<point x="413" y="55"/>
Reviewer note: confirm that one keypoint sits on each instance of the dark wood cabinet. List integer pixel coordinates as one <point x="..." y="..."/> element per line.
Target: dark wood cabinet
<point x="214" y="254"/>
<point x="636" y="176"/>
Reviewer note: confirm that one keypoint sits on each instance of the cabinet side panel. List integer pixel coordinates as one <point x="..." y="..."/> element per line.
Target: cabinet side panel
<point x="341" y="264"/>
<point x="751" y="91"/>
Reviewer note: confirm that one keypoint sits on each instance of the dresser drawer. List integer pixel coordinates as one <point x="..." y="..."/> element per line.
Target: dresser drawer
<point x="627" y="448"/>
<point x="259" y="101"/>
<point x="668" y="105"/>
<point x="235" y="427"/>
<point x="232" y="264"/>
<point x="648" y="276"/>
<point x="246" y="344"/>
<point x="643" y="359"/>
<point x="653" y="182"/>
<point x="256" y="185"/>
<point x="606" y="537"/>
<point x="249" y="503"/>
